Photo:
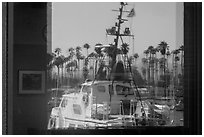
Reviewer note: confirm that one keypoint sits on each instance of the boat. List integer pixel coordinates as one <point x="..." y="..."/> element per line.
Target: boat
<point x="112" y="101"/>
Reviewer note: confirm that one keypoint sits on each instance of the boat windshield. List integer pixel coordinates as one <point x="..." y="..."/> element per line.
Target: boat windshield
<point x="64" y="102"/>
<point x="86" y="89"/>
<point x="123" y="90"/>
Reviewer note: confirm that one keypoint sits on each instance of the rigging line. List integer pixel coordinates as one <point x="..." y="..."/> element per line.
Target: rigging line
<point x="96" y="62"/>
<point x="121" y="39"/>
<point x="135" y="86"/>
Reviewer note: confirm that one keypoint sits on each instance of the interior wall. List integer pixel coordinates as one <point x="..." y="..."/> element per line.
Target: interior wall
<point x="29" y="47"/>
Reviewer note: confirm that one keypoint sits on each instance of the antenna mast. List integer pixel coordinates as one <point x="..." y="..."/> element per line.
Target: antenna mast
<point x="117" y="33"/>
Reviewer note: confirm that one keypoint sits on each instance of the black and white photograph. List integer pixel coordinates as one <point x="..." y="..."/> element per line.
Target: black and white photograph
<point x="95" y="68"/>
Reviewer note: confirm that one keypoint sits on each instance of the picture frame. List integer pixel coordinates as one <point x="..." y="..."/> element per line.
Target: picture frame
<point x="31" y="82"/>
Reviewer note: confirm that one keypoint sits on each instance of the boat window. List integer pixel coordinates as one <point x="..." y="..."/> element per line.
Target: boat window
<point x="64" y="102"/>
<point x="77" y="109"/>
<point x="143" y="90"/>
<point x="86" y="89"/>
<point x="123" y="90"/>
<point x="101" y="88"/>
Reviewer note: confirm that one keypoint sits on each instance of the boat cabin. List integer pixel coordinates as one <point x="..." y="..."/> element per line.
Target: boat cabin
<point x="109" y="92"/>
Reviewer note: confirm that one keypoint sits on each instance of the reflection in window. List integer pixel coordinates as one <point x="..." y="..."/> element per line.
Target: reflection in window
<point x="65" y="75"/>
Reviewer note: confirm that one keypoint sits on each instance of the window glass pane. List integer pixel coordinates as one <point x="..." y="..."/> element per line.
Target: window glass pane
<point x="123" y="90"/>
<point x="86" y="89"/>
<point x="159" y="68"/>
<point x="64" y="102"/>
<point x="77" y="109"/>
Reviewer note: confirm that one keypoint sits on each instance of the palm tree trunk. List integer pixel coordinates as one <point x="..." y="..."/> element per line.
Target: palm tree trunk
<point x="164" y="76"/>
<point x="149" y="70"/>
<point x="153" y="78"/>
<point x="62" y="74"/>
<point x="173" y="70"/>
<point x="58" y="76"/>
<point x="58" y="80"/>
<point x="176" y="73"/>
<point x="156" y="72"/>
<point x="78" y="67"/>
<point x="78" y="64"/>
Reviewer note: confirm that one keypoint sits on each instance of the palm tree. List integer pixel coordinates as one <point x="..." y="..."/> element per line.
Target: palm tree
<point x="181" y="48"/>
<point x="92" y="58"/>
<point x="58" y="61"/>
<point x="50" y="58"/>
<point x="167" y="55"/>
<point x="125" y="48"/>
<point x="85" y="69"/>
<point x="98" y="49"/>
<point x="152" y="63"/>
<point x="109" y="52"/>
<point x="163" y="48"/>
<point x="131" y="59"/>
<point x="71" y="53"/>
<point x="167" y="65"/>
<point x="155" y="69"/>
<point x="62" y="67"/>
<point x="66" y="60"/>
<point x="145" y="62"/>
<point x="79" y="55"/>
<point x="58" y="51"/>
<point x="161" y="64"/>
<point x="146" y="52"/>
<point x="71" y="66"/>
<point x="136" y="56"/>
<point x="86" y="46"/>
<point x="175" y="65"/>
<point x="156" y="60"/>
<point x="144" y="72"/>
<point x="152" y="52"/>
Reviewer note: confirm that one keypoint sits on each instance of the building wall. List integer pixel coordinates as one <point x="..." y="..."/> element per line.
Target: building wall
<point x="29" y="48"/>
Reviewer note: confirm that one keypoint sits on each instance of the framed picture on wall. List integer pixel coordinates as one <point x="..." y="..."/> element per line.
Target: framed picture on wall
<point x="31" y="82"/>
